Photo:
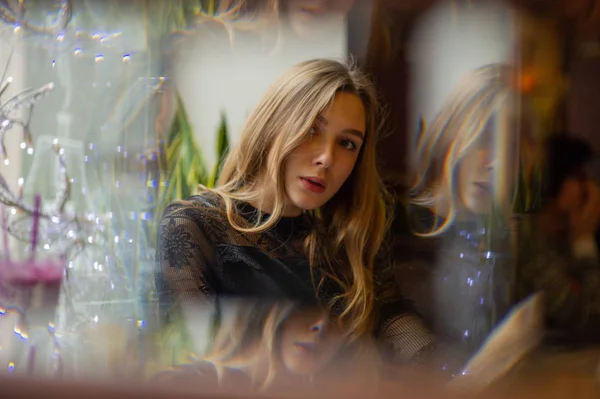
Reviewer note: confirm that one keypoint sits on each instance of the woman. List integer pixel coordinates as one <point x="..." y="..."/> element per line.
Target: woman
<point x="275" y="344"/>
<point x="460" y="174"/>
<point x="299" y="212"/>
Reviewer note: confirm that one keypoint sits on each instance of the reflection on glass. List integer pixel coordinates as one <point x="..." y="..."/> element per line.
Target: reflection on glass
<point x="260" y="344"/>
<point x="459" y="171"/>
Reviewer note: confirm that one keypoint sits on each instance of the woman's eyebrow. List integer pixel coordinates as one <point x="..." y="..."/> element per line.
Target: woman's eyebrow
<point x="321" y="120"/>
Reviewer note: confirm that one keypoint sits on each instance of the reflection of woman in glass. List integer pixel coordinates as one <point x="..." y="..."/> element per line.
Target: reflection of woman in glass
<point x="263" y="344"/>
<point x="298" y="213"/>
<point x="455" y="178"/>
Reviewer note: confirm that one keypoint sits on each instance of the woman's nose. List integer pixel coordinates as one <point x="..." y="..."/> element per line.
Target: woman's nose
<point x="487" y="159"/>
<point x="318" y="327"/>
<point x="324" y="155"/>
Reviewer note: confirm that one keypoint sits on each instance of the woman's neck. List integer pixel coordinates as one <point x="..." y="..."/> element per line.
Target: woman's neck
<point x="266" y="203"/>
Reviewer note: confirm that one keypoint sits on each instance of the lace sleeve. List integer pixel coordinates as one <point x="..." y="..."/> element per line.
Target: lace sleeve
<point x="185" y="258"/>
<point x="399" y="326"/>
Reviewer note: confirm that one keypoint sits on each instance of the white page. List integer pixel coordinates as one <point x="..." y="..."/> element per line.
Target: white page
<point x="521" y="331"/>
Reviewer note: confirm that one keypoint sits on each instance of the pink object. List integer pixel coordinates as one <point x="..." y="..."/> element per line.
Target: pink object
<point x="4" y="221"/>
<point x="36" y="224"/>
<point x="30" y="286"/>
<point x="31" y="272"/>
<point x="19" y="279"/>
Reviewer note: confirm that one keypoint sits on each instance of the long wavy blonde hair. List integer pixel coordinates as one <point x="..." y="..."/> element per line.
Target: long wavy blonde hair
<point x="249" y="338"/>
<point x="484" y="99"/>
<point x="252" y="331"/>
<point x="348" y="230"/>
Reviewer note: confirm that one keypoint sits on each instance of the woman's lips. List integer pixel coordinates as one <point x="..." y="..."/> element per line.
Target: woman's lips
<point x="314" y="184"/>
<point x="483" y="188"/>
<point x="307" y="348"/>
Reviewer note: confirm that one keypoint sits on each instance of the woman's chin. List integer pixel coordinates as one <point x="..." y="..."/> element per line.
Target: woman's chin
<point x="302" y="368"/>
<point x="479" y="207"/>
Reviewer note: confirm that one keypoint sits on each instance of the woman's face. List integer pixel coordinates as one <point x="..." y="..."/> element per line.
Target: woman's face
<point x="475" y="176"/>
<point x="572" y="194"/>
<point x="318" y="168"/>
<point x="309" y="341"/>
<point x="304" y="14"/>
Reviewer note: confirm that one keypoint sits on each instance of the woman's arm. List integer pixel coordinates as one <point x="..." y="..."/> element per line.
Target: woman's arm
<point x="185" y="258"/>
<point x="399" y="324"/>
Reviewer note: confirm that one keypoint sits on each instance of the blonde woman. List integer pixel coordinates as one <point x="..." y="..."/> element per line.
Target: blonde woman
<point x="299" y="212"/>
<point x="264" y="344"/>
<point x="461" y="164"/>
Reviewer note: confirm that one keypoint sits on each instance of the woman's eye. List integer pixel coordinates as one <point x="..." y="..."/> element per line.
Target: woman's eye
<point x="348" y="144"/>
<point x="312" y="131"/>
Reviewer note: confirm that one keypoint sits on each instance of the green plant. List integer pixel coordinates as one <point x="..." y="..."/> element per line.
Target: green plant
<point x="222" y="150"/>
<point x="528" y="196"/>
<point x="182" y="166"/>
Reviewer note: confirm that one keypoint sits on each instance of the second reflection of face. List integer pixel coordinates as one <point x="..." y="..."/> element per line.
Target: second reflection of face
<point x="309" y="341"/>
<point x="475" y="176"/>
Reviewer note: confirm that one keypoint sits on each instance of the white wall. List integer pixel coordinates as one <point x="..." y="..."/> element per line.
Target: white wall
<point x="450" y="41"/>
<point x="212" y="77"/>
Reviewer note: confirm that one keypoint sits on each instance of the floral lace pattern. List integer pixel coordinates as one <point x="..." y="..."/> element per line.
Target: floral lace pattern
<point x="177" y="245"/>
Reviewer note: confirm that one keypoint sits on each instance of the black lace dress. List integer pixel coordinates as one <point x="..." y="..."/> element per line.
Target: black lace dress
<point x="201" y="256"/>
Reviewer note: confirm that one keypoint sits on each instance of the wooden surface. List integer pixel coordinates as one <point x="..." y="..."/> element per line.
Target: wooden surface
<point x="553" y="373"/>
<point x="544" y="374"/>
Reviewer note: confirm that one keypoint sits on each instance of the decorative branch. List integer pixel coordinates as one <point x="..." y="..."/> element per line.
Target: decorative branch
<point x="231" y="15"/>
<point x="8" y="198"/>
<point x="15" y="15"/>
<point x="8" y="120"/>
<point x="8" y="110"/>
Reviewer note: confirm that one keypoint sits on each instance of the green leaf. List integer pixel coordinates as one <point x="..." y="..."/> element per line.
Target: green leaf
<point x="184" y="166"/>
<point x="222" y="150"/>
<point x="222" y="139"/>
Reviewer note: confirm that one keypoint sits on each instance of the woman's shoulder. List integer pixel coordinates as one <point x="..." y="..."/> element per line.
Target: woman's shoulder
<point x="204" y="205"/>
<point x="205" y="212"/>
